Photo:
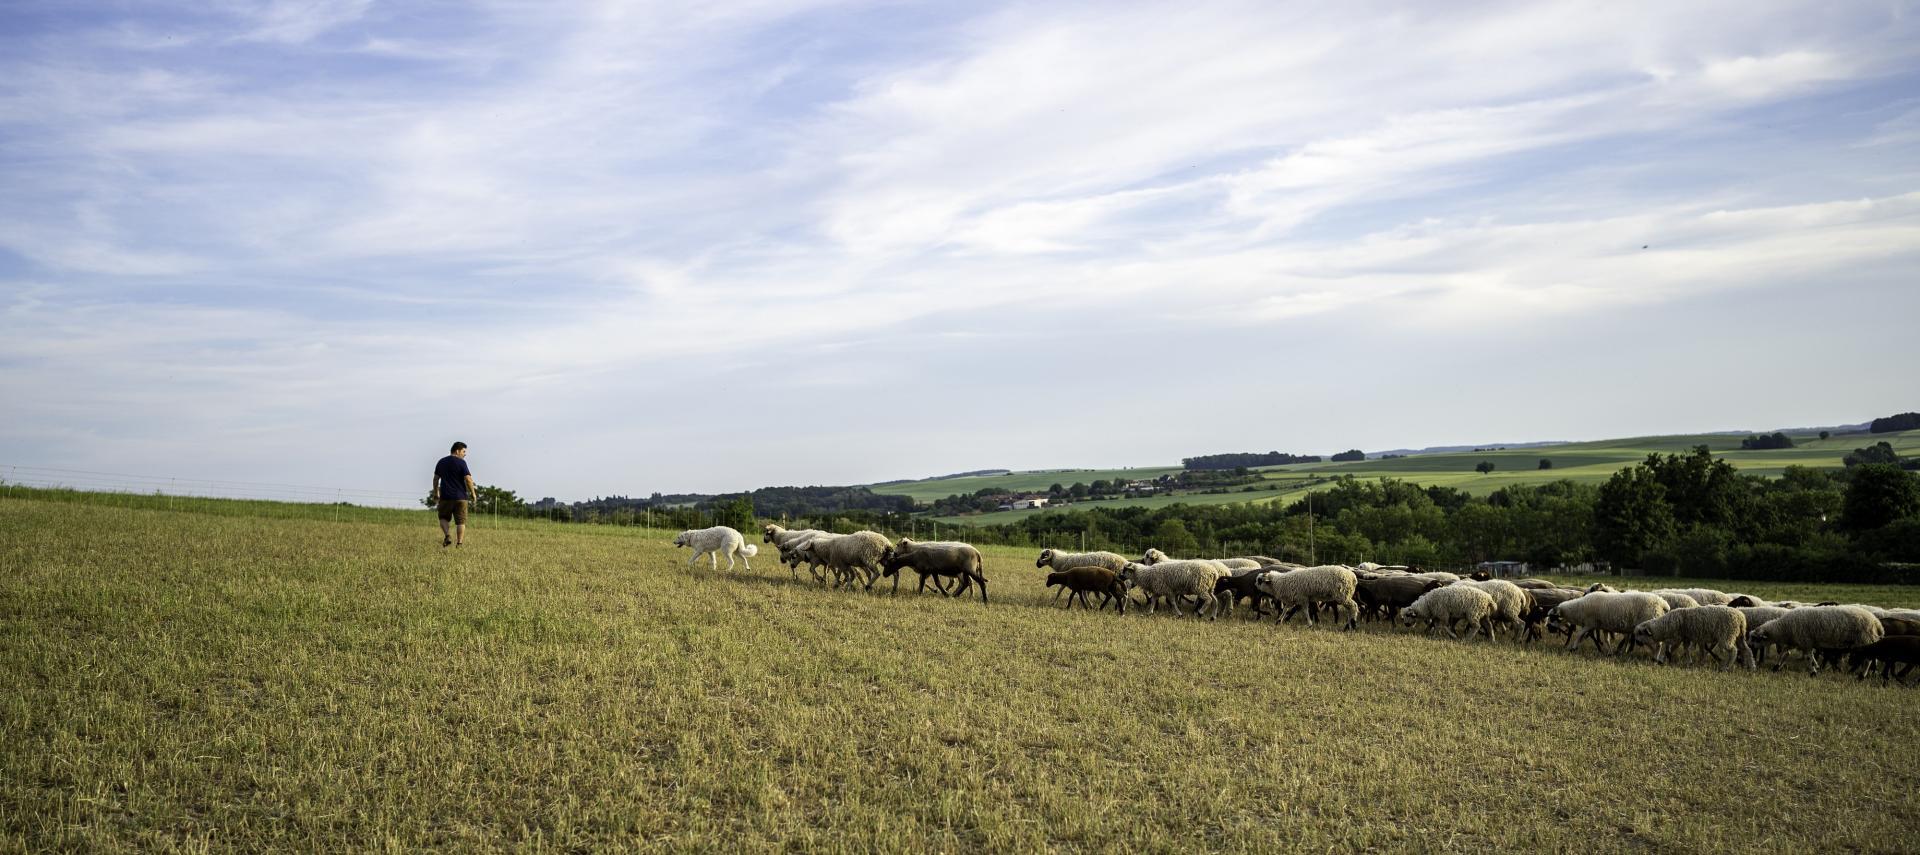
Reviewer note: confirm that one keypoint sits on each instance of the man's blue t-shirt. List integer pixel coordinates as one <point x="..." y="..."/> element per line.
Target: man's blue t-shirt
<point x="452" y="472"/>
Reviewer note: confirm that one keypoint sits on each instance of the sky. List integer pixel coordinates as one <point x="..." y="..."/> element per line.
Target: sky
<point x="627" y="247"/>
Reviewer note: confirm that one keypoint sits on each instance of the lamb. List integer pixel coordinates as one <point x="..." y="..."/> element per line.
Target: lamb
<point x="1887" y="652"/>
<point x="1171" y="580"/>
<point x="1512" y="603"/>
<point x="1899" y="625"/>
<point x="1703" y="596"/>
<point x="1309" y="587"/>
<point x="937" y="558"/>
<point x="1436" y="575"/>
<point x="1450" y="604"/>
<point x="1746" y="601"/>
<point x="715" y="542"/>
<point x="1676" y="600"/>
<point x="1387" y="595"/>
<point x="851" y="556"/>
<point x="1602" y="588"/>
<point x="1716" y="629"/>
<point x="785" y="540"/>
<point x="1601" y="611"/>
<point x="1069" y="560"/>
<point x="1536" y="583"/>
<point x="1818" y="630"/>
<point x="1080" y="581"/>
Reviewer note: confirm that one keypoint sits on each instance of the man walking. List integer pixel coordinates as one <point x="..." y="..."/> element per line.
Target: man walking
<point x="452" y="490"/>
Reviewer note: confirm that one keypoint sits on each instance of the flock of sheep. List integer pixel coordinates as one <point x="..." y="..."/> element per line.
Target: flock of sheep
<point x="1732" y="628"/>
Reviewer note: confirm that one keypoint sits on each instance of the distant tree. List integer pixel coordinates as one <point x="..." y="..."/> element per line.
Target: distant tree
<point x="1349" y="456"/>
<point x="1879" y="452"/>
<point x="1484" y="467"/>
<point x="1078" y="490"/>
<point x="1878" y="494"/>
<point x="496" y="500"/>
<point x="1889" y="424"/>
<point x="1056" y="489"/>
<point x="1632" y="516"/>
<point x="1173" y="538"/>
<point x="736" y="514"/>
<point x="1766" y="442"/>
<point x="1545" y="463"/>
<point x="1826" y="433"/>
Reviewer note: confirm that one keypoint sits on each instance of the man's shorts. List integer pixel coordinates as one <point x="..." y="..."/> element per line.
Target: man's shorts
<point x="454" y="509"/>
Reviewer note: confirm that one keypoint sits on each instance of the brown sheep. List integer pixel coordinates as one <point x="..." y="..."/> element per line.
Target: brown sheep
<point x="1081" y="581"/>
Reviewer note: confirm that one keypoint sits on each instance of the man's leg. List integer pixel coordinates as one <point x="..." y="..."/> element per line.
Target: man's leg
<point x="460" y="523"/>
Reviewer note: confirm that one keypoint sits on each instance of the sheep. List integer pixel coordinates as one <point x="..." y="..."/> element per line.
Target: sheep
<point x="1241" y="584"/>
<point x="1536" y="583"/>
<point x="1703" y="596"/>
<point x="1512" y="602"/>
<point x="1436" y="575"/>
<point x="1261" y="560"/>
<point x="1309" y="587"/>
<point x="1746" y="601"/>
<point x="1757" y="615"/>
<point x="1172" y="579"/>
<point x="1544" y="599"/>
<point x="1155" y="556"/>
<point x="1069" y="560"/>
<point x="850" y="556"/>
<point x="1676" y="600"/>
<point x="1602" y="611"/>
<point x="1887" y="652"/>
<point x="1899" y="625"/>
<point x="937" y="558"/>
<point x="1907" y="614"/>
<point x="1716" y="629"/>
<point x="714" y="542"/>
<point x="1818" y="629"/>
<point x="1448" y="605"/>
<point x="1387" y="595"/>
<point x="1080" y="581"/>
<point x="1602" y="588"/>
<point x="785" y="540"/>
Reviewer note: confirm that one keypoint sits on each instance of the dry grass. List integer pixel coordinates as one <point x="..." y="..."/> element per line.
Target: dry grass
<point x="205" y="681"/>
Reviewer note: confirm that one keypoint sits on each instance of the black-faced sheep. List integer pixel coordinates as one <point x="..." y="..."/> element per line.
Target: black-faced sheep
<point x="1068" y="560"/>
<point x="1242" y="584"/>
<point x="1889" y="651"/>
<point x="1511" y="603"/>
<point x="1450" y="604"/>
<point x="1716" y="629"/>
<point x="1601" y="611"/>
<point x="1385" y="596"/>
<point x="1820" y="628"/>
<point x="937" y="558"/>
<point x="1171" y="580"/>
<point x="1309" y="587"/>
<point x="1078" y="582"/>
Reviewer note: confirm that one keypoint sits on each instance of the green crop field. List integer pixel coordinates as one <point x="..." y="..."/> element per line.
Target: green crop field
<point x="235" y="677"/>
<point x="940" y="488"/>
<point x="1585" y="462"/>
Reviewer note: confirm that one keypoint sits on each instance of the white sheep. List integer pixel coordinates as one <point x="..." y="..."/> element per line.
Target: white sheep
<point x="1756" y="616"/>
<point x="1437" y="576"/>
<point x="715" y="542"/>
<point x="1448" y="605"/>
<point x="1064" y="561"/>
<point x="1703" y="596"/>
<point x="1308" y="588"/>
<point x="1676" y="599"/>
<point x="1511" y="603"/>
<point x="1715" y="629"/>
<point x="1602" y="611"/>
<point x="1155" y="556"/>
<point x="1171" y="580"/>
<point x="1817" y="629"/>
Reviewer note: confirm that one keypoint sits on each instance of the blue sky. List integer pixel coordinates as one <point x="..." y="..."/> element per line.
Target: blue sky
<point x="627" y="247"/>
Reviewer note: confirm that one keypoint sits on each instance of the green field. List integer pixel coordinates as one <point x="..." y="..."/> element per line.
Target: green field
<point x="209" y="678"/>
<point x="1584" y="462"/>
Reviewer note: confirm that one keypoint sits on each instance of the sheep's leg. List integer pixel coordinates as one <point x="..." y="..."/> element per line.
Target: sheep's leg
<point x="1209" y="607"/>
<point x="1450" y="633"/>
<point x="1175" y="603"/>
<point x="1582" y="636"/>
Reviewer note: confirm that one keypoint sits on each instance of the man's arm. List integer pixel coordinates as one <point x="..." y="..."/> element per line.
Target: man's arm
<point x="434" y="491"/>
<point x="473" y="495"/>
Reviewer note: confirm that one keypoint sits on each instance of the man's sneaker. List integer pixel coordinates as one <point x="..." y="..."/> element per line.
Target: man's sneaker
<point x="446" y="542"/>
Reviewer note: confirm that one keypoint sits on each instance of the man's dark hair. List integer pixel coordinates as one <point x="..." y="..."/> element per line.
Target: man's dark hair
<point x="456" y="447"/>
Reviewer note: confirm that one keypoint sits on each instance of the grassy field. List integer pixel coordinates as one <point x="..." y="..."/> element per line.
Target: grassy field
<point x="209" y="679"/>
<point x="1585" y="462"/>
